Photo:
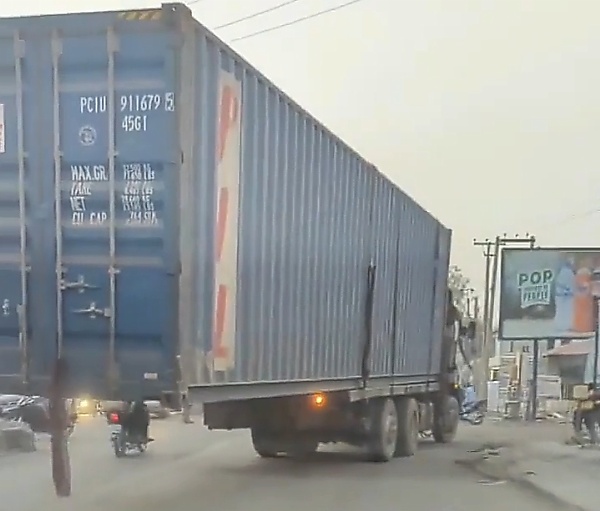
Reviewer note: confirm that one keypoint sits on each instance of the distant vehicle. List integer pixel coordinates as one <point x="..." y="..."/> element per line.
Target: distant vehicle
<point x="157" y="410"/>
<point x="87" y="406"/>
<point x="107" y="406"/>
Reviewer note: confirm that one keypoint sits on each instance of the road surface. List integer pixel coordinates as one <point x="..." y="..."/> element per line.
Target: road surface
<point x="190" y="468"/>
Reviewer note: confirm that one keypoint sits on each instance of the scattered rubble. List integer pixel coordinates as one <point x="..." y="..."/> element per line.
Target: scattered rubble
<point x="500" y="465"/>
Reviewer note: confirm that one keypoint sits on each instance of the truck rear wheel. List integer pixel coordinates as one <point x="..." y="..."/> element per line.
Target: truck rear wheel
<point x="301" y="448"/>
<point x="270" y="445"/>
<point x="383" y="433"/>
<point x="408" y="427"/>
<point x="445" y="420"/>
<point x="264" y="444"/>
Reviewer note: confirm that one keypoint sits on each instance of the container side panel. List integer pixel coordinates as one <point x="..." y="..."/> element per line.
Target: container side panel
<point x="417" y="256"/>
<point x="302" y="252"/>
<point x="227" y="219"/>
<point x="383" y="257"/>
<point x="204" y="198"/>
<point x="189" y="363"/>
<point x="311" y="217"/>
<point x="443" y="261"/>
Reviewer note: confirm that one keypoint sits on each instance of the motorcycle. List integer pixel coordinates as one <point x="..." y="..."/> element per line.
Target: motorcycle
<point x="471" y="413"/>
<point x="122" y="440"/>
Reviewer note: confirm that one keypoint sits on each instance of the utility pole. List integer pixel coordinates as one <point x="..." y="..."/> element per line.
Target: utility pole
<point x="481" y="375"/>
<point x="488" y="253"/>
<point x="491" y="252"/>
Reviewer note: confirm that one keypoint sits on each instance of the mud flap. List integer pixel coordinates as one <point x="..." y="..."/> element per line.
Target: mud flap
<point x="61" y="463"/>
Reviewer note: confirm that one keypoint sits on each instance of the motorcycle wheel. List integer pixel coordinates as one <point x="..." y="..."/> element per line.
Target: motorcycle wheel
<point x="118" y="450"/>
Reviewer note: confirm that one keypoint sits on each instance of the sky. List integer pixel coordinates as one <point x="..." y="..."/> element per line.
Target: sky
<point x="486" y="112"/>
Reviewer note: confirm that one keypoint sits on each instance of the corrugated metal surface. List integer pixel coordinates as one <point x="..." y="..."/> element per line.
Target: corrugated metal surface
<point x="233" y="230"/>
<point x="313" y="215"/>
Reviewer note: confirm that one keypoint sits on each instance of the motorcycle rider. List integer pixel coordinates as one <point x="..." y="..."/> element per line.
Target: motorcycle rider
<point x="138" y="420"/>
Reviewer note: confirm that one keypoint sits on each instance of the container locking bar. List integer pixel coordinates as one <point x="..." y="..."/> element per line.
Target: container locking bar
<point x="80" y="284"/>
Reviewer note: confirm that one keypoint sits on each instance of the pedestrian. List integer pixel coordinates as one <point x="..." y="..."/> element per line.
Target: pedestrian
<point x="186" y="408"/>
<point x="590" y="413"/>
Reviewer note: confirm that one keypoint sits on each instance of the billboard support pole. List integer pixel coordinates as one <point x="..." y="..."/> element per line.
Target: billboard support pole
<point x="488" y="254"/>
<point x="533" y="398"/>
<point x="493" y="281"/>
<point x="489" y="327"/>
<point x="491" y="278"/>
<point x="481" y="367"/>
<point x="596" y="338"/>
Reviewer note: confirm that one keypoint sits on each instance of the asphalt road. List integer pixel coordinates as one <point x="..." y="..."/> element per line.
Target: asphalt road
<point x="190" y="468"/>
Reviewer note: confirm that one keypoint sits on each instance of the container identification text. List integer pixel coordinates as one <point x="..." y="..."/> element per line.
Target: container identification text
<point x="135" y="110"/>
<point x="83" y="178"/>
<point x="138" y="191"/>
<point x="137" y="194"/>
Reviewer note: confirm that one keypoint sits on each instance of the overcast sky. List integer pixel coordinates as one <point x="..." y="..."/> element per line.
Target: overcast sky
<point x="487" y="112"/>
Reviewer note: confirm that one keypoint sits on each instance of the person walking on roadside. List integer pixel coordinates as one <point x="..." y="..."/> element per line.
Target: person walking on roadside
<point x="186" y="408"/>
<point x="590" y="413"/>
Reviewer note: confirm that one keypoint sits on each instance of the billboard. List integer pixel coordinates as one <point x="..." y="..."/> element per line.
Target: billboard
<point x="548" y="293"/>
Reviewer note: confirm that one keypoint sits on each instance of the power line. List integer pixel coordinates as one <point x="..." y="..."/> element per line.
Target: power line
<point x="194" y="2"/>
<point x="257" y="14"/>
<point x="569" y="218"/>
<point x="297" y="20"/>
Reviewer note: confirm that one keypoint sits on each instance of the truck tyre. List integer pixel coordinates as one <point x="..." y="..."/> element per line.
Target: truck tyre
<point x="383" y="433"/>
<point x="408" y="427"/>
<point x="301" y="448"/>
<point x="264" y="444"/>
<point x="445" y="420"/>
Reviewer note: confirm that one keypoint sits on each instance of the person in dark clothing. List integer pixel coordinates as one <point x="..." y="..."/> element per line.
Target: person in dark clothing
<point x="590" y="413"/>
<point x="138" y="420"/>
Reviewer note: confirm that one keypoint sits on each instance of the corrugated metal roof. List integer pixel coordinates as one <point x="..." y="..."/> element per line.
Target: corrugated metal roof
<point x="573" y="348"/>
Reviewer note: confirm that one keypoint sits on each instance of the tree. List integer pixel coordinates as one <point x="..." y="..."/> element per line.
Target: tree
<point x="460" y="287"/>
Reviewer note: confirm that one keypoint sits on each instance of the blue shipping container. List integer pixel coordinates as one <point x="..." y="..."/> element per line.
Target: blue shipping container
<point x="168" y="214"/>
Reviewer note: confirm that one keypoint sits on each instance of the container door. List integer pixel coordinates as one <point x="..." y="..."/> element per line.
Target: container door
<point x="113" y="142"/>
<point x="16" y="197"/>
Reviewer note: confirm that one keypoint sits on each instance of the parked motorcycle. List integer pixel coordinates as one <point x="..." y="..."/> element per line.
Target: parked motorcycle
<point x="123" y="441"/>
<point x="471" y="413"/>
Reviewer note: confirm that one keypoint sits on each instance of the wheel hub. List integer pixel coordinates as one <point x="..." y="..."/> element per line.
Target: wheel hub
<point x="391" y="429"/>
